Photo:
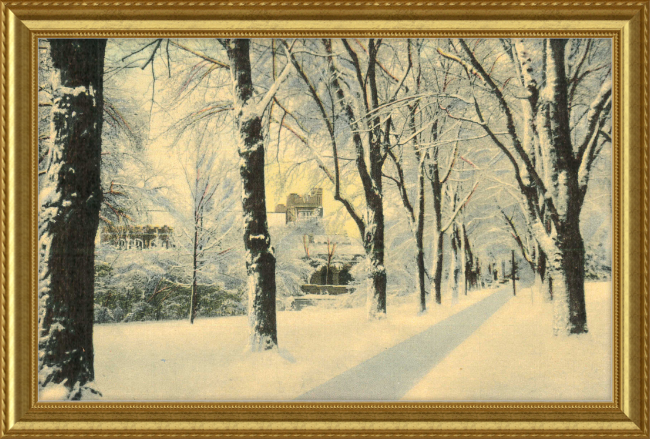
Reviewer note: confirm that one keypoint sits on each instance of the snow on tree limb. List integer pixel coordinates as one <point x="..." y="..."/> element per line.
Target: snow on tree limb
<point x="591" y="151"/>
<point x="336" y="178"/>
<point x="266" y="100"/>
<point x="517" y="237"/>
<point x="460" y="207"/>
<point x="200" y="55"/>
<point x="594" y="120"/>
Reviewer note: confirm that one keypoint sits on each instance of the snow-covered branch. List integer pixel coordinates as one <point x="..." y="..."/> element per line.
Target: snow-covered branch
<point x="266" y="100"/>
<point x="460" y="207"/>
<point x="594" y="119"/>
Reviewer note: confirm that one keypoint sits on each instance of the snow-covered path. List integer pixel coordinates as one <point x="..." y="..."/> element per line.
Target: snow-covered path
<point x="389" y="375"/>
<point x="448" y="354"/>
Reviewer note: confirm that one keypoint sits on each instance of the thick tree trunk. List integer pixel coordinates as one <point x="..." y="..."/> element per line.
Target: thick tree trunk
<point x="566" y="258"/>
<point x="260" y="261"/>
<point x="542" y="276"/>
<point x="70" y="199"/>
<point x="567" y="268"/>
<point x="374" y="198"/>
<point x="374" y="246"/>
<point x="372" y="230"/>
<point x="438" y="242"/>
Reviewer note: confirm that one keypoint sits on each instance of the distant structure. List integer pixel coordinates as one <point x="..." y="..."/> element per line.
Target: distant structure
<point x="302" y="207"/>
<point x="129" y="237"/>
<point x="332" y="257"/>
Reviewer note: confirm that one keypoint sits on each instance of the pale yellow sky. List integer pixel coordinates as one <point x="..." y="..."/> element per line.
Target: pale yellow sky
<point x="336" y="218"/>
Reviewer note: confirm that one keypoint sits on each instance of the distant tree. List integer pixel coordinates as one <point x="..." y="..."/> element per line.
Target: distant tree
<point x="430" y="132"/>
<point x="210" y="218"/>
<point x="565" y="102"/>
<point x="70" y="200"/>
<point x="357" y="102"/>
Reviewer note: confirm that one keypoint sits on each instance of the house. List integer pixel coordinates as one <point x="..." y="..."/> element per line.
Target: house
<point x="303" y="207"/>
<point x="127" y="237"/>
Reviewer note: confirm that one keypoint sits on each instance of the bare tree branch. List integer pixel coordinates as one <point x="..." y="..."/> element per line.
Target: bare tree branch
<point x="460" y="207"/>
<point x="598" y="105"/>
<point x="201" y="55"/>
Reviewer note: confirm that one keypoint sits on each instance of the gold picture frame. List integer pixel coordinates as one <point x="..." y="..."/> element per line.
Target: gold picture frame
<point x="23" y="22"/>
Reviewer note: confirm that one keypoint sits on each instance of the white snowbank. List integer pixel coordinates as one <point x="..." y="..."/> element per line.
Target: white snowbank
<point x="53" y="392"/>
<point x="174" y="360"/>
<point x="515" y="357"/>
<point x="512" y="356"/>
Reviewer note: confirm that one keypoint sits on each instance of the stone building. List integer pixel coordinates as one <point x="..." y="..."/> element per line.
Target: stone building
<point x="332" y="258"/>
<point x="302" y="207"/>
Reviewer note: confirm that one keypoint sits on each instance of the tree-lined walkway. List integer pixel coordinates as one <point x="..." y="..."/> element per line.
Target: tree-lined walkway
<point x="389" y="375"/>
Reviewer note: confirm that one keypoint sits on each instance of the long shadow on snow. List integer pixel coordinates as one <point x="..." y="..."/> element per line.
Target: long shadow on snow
<point x="389" y="375"/>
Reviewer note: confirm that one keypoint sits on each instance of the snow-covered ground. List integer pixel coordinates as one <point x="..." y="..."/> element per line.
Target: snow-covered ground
<point x="511" y="356"/>
<point x="173" y="360"/>
<point x="515" y="357"/>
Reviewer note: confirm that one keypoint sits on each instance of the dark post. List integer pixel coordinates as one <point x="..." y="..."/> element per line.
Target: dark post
<point x="514" y="288"/>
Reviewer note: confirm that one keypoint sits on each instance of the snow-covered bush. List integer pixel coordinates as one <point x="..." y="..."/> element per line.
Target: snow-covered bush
<point x="359" y="274"/>
<point x="103" y="314"/>
<point x="598" y="264"/>
<point x="216" y="301"/>
<point x="293" y="266"/>
<point x="140" y="285"/>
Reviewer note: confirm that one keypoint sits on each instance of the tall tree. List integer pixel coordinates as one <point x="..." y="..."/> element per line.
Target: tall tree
<point x="553" y="183"/>
<point x="415" y="216"/>
<point x="204" y="229"/>
<point x="70" y="200"/>
<point x="370" y="157"/>
<point x="260" y="260"/>
<point x="428" y="128"/>
<point x="355" y="101"/>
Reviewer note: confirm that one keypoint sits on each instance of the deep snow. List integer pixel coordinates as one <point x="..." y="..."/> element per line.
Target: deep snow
<point x="515" y="357"/>
<point x="512" y="356"/>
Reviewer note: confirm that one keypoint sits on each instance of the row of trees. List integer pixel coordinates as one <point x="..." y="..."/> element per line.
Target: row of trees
<point x="498" y="125"/>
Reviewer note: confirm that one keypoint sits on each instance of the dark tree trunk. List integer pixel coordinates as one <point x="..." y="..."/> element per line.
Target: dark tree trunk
<point x="567" y="266"/>
<point x="542" y="278"/>
<point x="372" y="229"/>
<point x="416" y="220"/>
<point x="438" y="235"/>
<point x="437" y="266"/>
<point x="566" y="257"/>
<point x="513" y="273"/>
<point x="455" y="266"/>
<point x="462" y="252"/>
<point x="419" y="240"/>
<point x="374" y="246"/>
<point x="418" y="228"/>
<point x="466" y="258"/>
<point x="260" y="261"/>
<point x="70" y="199"/>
